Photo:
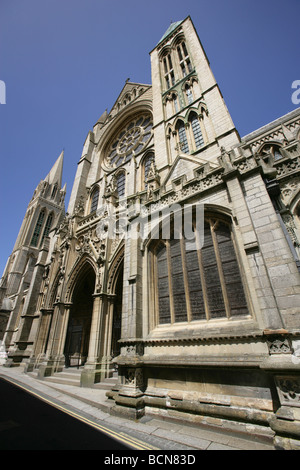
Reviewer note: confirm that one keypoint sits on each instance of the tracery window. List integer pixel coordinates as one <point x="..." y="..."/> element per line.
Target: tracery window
<point x="271" y="149"/>
<point x="198" y="283"/>
<point x="38" y="228"/>
<point x="94" y="200"/>
<point x="130" y="141"/>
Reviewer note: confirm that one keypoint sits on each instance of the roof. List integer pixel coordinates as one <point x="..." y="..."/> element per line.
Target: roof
<point x="170" y="29"/>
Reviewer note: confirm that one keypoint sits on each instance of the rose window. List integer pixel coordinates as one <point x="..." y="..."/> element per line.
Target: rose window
<point x="130" y="141"/>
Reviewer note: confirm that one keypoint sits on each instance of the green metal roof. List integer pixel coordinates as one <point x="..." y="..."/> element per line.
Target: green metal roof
<point x="170" y="29"/>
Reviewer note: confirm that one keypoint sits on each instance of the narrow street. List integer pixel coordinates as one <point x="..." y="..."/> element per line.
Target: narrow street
<point x="28" y="423"/>
<point x="41" y="415"/>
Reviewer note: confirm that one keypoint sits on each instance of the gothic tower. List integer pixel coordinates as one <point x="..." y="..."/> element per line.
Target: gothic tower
<point x="189" y="111"/>
<point x="22" y="276"/>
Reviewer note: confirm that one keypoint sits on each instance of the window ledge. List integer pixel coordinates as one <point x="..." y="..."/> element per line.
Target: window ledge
<point x="212" y="330"/>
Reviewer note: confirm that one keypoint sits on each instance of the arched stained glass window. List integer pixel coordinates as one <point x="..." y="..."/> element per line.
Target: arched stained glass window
<point x="194" y="282"/>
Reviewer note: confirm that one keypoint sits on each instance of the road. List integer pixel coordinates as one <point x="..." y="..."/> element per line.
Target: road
<point x="29" y="423"/>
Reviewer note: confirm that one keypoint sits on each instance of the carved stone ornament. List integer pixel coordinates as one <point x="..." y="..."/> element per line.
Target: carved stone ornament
<point x="289" y="390"/>
<point x="152" y="180"/>
<point x="111" y="187"/>
<point x="130" y="377"/>
<point x="90" y="243"/>
<point x="225" y="160"/>
<point x="288" y="167"/>
<point x="134" y="377"/>
<point x="66" y="227"/>
<point x="61" y="279"/>
<point x="135" y="349"/>
<point x="279" y="345"/>
<point x="79" y="208"/>
<point x="83" y="244"/>
<point x="291" y="228"/>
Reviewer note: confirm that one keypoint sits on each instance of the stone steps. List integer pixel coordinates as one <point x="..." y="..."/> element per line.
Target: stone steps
<point x="71" y="376"/>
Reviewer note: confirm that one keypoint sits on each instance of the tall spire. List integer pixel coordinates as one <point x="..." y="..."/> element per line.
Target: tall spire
<point x="55" y="174"/>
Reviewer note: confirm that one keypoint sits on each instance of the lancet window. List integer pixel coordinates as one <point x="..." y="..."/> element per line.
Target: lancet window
<point x="120" y="181"/>
<point x="94" y="200"/>
<point x="196" y="130"/>
<point x="182" y="137"/>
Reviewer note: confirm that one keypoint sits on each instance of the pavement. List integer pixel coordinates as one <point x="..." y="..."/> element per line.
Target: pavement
<point x="149" y="433"/>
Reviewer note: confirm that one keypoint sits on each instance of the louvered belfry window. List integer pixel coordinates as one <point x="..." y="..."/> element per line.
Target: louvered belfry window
<point x="169" y="71"/>
<point x="38" y="228"/>
<point x="198" y="283"/>
<point x="184" y="59"/>
<point x="47" y="227"/>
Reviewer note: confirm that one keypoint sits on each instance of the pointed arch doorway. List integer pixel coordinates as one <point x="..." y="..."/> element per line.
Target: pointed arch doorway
<point x="80" y="318"/>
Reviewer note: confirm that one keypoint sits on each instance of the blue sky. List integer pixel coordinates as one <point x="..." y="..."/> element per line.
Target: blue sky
<point x="65" y="61"/>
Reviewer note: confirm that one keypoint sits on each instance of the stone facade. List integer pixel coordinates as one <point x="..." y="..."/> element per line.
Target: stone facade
<point x="206" y="330"/>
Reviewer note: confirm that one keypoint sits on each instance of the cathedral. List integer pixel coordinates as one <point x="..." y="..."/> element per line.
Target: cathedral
<point x="175" y="266"/>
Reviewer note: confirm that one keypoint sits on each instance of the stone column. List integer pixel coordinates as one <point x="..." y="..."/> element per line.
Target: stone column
<point x="129" y="393"/>
<point x="54" y="358"/>
<point x="41" y="339"/>
<point x="107" y="363"/>
<point x="93" y="370"/>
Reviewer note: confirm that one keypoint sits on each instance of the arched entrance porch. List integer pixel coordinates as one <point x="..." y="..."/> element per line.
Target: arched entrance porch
<point x="105" y="330"/>
<point x="84" y="329"/>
